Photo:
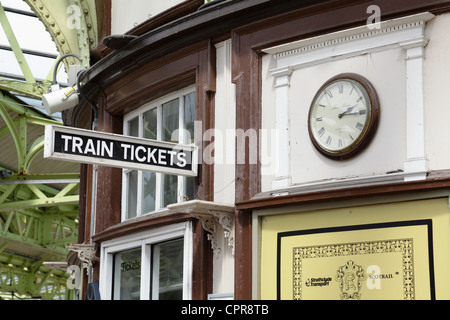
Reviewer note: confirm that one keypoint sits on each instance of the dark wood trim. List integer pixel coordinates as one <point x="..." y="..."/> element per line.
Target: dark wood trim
<point x="162" y="76"/>
<point x="82" y="204"/>
<point x="202" y="276"/>
<point x="247" y="42"/>
<point x="202" y="269"/>
<point x="140" y="224"/>
<point x="109" y="179"/>
<point x="172" y="14"/>
<point x="182" y="50"/>
<point x="103" y="8"/>
<point x="107" y="17"/>
<point x="87" y="205"/>
<point x="206" y="89"/>
<point x="194" y="65"/>
<point x="225" y="16"/>
<point x="175" y="35"/>
<point x="438" y="181"/>
<point x="242" y="263"/>
<point x="351" y="193"/>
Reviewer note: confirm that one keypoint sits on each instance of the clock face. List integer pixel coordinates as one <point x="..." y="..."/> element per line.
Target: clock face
<point x="343" y="115"/>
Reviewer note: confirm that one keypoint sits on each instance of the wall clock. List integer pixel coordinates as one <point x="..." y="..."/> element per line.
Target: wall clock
<point x="343" y="116"/>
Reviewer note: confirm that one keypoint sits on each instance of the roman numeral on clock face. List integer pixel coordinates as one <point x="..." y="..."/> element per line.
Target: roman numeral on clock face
<point x="321" y="131"/>
<point x="359" y="126"/>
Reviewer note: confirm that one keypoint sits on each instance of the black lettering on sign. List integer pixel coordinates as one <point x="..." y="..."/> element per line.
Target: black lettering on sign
<point x="80" y="145"/>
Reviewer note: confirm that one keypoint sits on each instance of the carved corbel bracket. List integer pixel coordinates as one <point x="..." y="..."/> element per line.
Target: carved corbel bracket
<point x="210" y="221"/>
<point x="81" y="254"/>
<point x="211" y="215"/>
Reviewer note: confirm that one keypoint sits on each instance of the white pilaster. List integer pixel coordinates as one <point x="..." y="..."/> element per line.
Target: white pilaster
<point x="416" y="163"/>
<point x="282" y="155"/>
<point x="225" y="126"/>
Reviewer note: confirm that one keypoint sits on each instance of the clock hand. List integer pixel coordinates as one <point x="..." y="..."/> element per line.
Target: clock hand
<point x="351" y="114"/>
<point x="349" y="109"/>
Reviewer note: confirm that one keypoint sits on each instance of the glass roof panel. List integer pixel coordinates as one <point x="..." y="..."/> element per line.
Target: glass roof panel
<point x="30" y="33"/>
<point x="20" y="5"/>
<point x="39" y="50"/>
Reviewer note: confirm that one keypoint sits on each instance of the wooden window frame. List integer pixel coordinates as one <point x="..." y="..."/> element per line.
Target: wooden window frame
<point x="139" y="113"/>
<point x="145" y="241"/>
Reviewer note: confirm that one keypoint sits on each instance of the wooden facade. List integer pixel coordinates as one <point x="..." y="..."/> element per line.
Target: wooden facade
<point x="176" y="49"/>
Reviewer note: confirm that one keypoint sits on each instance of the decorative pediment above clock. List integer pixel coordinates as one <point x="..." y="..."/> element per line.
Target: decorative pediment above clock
<point x="404" y="32"/>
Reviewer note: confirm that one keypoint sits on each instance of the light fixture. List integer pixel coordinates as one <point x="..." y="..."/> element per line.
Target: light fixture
<point x="58" y="99"/>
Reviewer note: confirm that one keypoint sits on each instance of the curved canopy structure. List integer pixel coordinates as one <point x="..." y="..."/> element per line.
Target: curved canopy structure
<point x="38" y="197"/>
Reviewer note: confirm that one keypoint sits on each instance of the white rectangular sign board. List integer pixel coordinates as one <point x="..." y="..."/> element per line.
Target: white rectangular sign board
<point x="107" y="149"/>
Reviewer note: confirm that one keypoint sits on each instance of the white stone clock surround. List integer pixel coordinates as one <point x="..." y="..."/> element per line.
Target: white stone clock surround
<point x="407" y="33"/>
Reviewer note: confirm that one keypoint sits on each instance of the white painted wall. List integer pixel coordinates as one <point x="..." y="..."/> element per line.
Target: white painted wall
<point x="224" y="164"/>
<point x="412" y="86"/>
<point x="437" y="92"/>
<point x="126" y="14"/>
<point x="387" y="75"/>
<point x="225" y="126"/>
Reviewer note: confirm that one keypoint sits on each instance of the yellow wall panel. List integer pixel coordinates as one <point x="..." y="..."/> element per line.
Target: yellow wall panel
<point x="385" y="251"/>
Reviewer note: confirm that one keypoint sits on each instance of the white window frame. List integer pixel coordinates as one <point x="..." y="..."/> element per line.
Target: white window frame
<point x="145" y="241"/>
<point x="182" y="140"/>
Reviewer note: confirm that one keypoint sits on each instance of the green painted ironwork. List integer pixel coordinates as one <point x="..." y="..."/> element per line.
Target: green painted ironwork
<point x="28" y="278"/>
<point x="72" y="25"/>
<point x="17" y="129"/>
<point x="16" y="47"/>
<point x="29" y="86"/>
<point x="33" y="214"/>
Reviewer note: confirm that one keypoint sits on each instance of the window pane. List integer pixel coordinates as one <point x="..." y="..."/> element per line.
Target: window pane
<point x="149" y="191"/>
<point x="168" y="270"/>
<point x="133" y="127"/>
<point x="189" y="117"/>
<point x="170" y="121"/>
<point x="150" y="124"/>
<point x="127" y="275"/>
<point x="132" y="194"/>
<point x="133" y="130"/>
<point x="189" y="185"/>
<point x="169" y="189"/>
<point x="160" y="123"/>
